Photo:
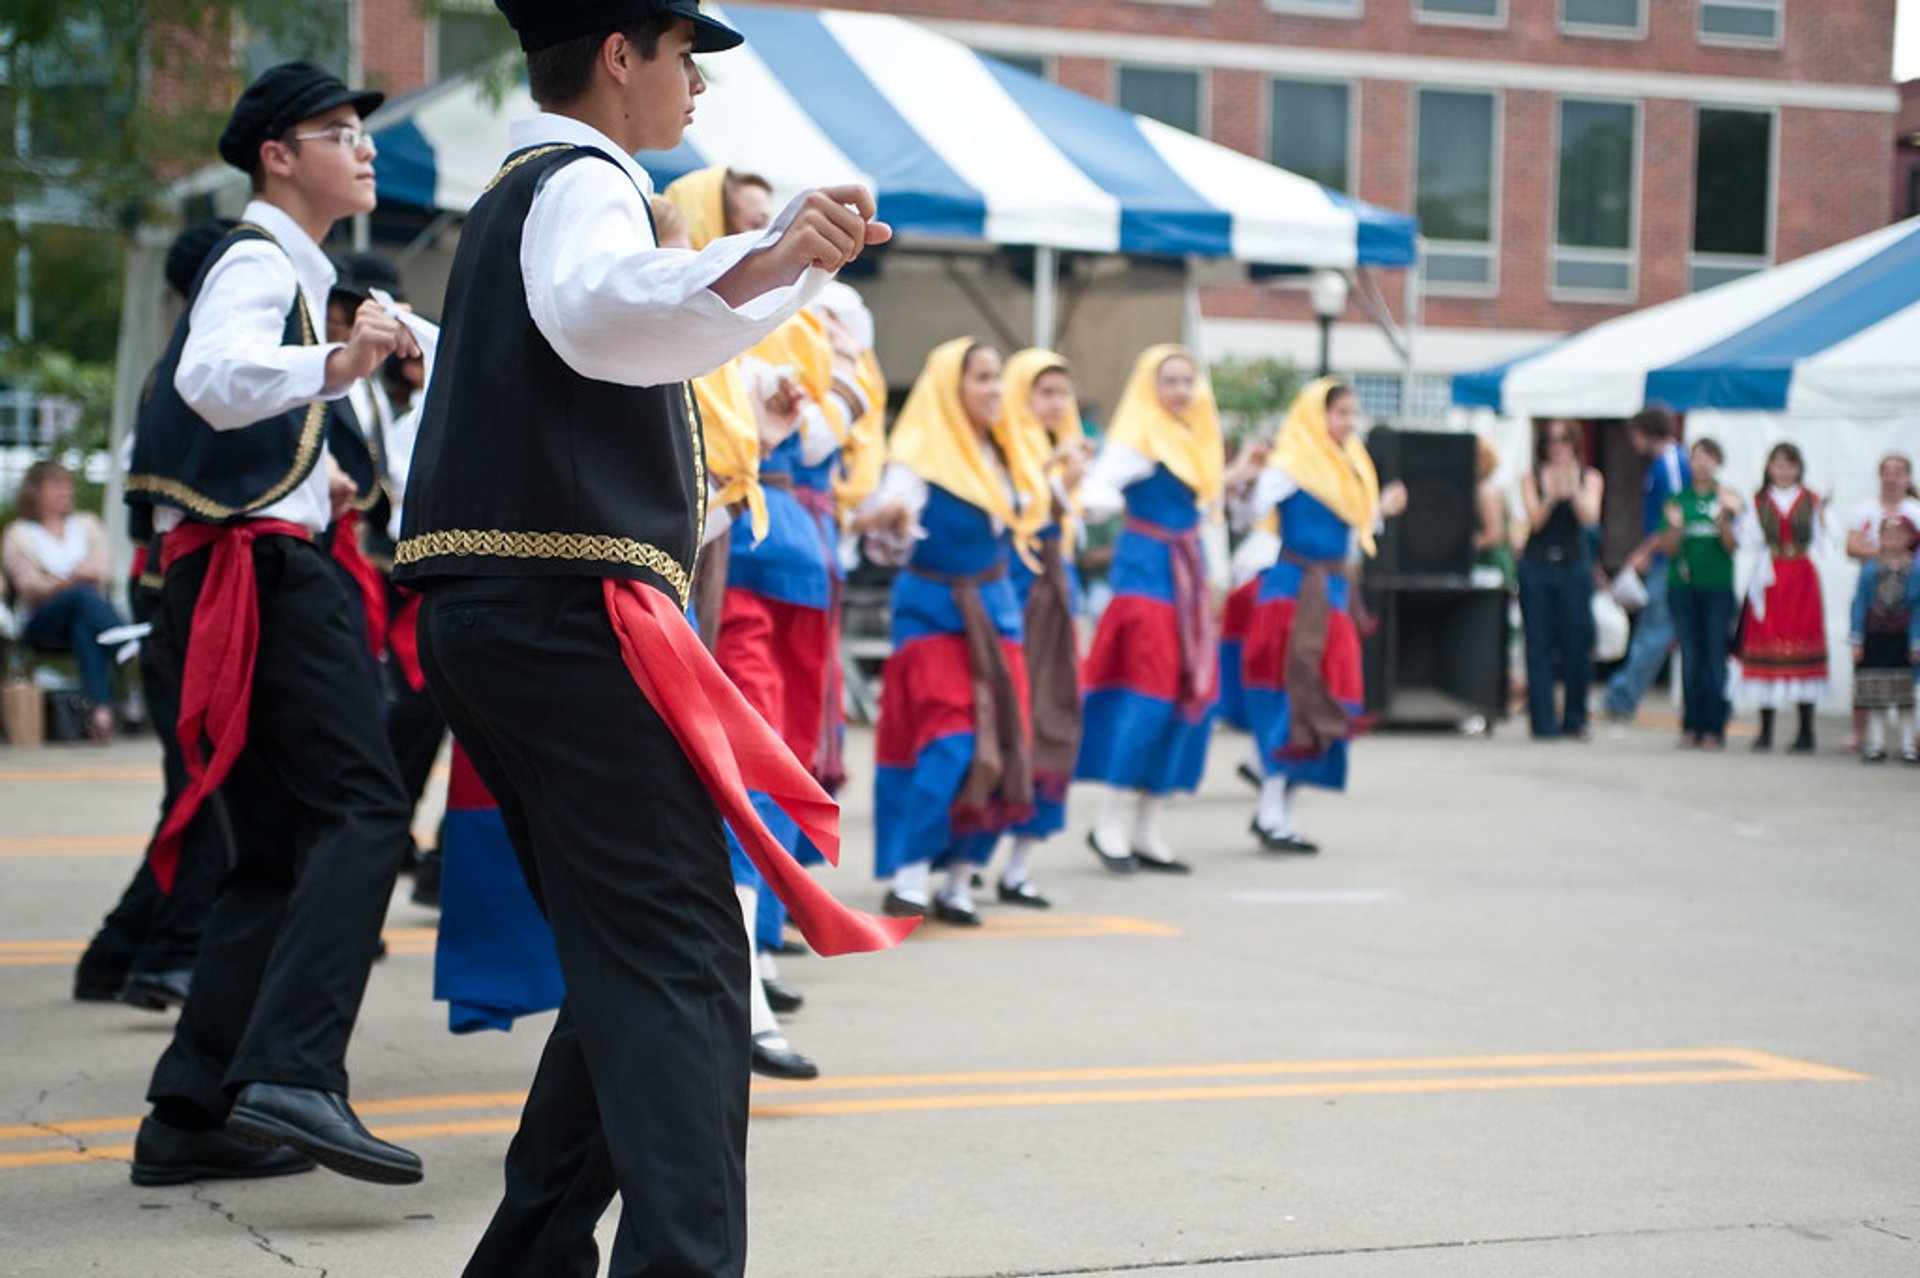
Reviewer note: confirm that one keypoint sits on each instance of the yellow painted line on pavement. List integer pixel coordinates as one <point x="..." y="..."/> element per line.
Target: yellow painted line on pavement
<point x="400" y="940"/>
<point x="81" y="772"/>
<point x="973" y="1091"/>
<point x="128" y="845"/>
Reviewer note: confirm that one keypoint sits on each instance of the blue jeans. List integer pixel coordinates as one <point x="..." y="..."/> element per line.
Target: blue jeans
<point x="68" y="622"/>
<point x="1556" y="611"/>
<point x="1702" y="619"/>
<point x="1652" y="641"/>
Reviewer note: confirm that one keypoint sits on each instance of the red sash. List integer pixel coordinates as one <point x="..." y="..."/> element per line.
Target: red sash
<point x="403" y="639"/>
<point x="733" y="749"/>
<point x="366" y="578"/>
<point x="216" y="689"/>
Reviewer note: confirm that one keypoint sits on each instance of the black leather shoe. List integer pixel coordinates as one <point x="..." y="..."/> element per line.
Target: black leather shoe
<point x="1026" y="895"/>
<point x="780" y="1062"/>
<point x="899" y="907"/>
<point x="98" y="979"/>
<point x="1126" y="864"/>
<point x="320" y="1125"/>
<point x="426" y="880"/>
<point x="1247" y="773"/>
<point x="958" y="915"/>
<point x="157" y="991"/>
<point x="782" y="997"/>
<point x="1153" y="866"/>
<point x="1282" y="842"/>
<point x="165" y="1155"/>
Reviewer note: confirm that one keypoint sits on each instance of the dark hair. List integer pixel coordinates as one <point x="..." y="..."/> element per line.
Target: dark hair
<point x="1792" y="453"/>
<point x="1655" y="421"/>
<point x="973" y="350"/>
<point x="1337" y="392"/>
<point x="730" y="184"/>
<point x="27" y="505"/>
<point x="257" y="171"/>
<point x="1545" y="433"/>
<point x="1712" y="449"/>
<point x="561" y="73"/>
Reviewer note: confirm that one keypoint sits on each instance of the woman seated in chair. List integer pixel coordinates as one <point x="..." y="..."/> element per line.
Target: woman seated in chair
<point x="56" y="564"/>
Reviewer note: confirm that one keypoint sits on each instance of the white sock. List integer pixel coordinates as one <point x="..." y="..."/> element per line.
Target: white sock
<point x="1019" y="861"/>
<point x="1275" y="813"/>
<point x="910" y="882"/>
<point x="769" y="968"/>
<point x="1904" y="725"/>
<point x="957" y="890"/>
<point x="1146" y="830"/>
<point x="1877" y="730"/>
<point x="1110" y="827"/>
<point x="1255" y="761"/>
<point x="759" y="1011"/>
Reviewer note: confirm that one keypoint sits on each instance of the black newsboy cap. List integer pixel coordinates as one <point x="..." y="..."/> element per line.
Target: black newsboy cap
<point x="283" y="96"/>
<point x="542" y="23"/>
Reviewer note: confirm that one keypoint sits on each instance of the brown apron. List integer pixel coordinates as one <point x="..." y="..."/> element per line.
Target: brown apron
<point x="1315" y="720"/>
<point x="1002" y="764"/>
<point x="1053" y="665"/>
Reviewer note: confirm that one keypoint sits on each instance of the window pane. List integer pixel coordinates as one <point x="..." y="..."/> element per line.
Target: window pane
<point x="1172" y="97"/>
<point x="1733" y="186"/>
<point x="1743" y="21"/>
<point x="1453" y="194"/>
<point x="1442" y="267"/>
<point x="319" y="34"/>
<point x="1462" y="8"/>
<point x="1601" y="13"/>
<point x="1596" y="175"/>
<point x="1705" y="275"/>
<point x="1592" y="276"/>
<point x="1309" y="131"/>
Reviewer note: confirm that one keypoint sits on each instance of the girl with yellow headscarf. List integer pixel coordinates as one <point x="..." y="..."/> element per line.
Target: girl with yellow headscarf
<point x="961" y="496"/>
<point x="1303" y="691"/>
<point x="1151" y="677"/>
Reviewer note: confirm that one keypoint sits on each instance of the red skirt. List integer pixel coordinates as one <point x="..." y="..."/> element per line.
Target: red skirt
<point x="1789" y="644"/>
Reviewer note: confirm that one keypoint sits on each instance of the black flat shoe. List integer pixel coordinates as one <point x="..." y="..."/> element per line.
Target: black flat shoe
<point x="1801" y="745"/>
<point x="1026" y="894"/>
<point x="780" y="1062"/>
<point x="320" y="1125"/>
<point x="1118" y="864"/>
<point x="98" y="980"/>
<point x="1152" y="866"/>
<point x="1272" y="842"/>
<point x="426" y="880"/>
<point x="899" y="907"/>
<point x="157" y="991"/>
<point x="1246" y="772"/>
<point x="958" y="915"/>
<point x="782" y="997"/>
<point x="165" y="1155"/>
<point x="1874" y="756"/>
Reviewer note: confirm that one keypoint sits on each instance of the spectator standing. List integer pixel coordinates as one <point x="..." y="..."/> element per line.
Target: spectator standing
<point x="1783" y="647"/>
<point x="1655" y="436"/>
<point x="1886" y="640"/>
<point x="1700" y="540"/>
<point x="1562" y="497"/>
<point x="57" y="565"/>
<point x="1897" y="496"/>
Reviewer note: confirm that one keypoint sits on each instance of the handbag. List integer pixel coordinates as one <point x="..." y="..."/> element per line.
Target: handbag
<point x="1610" y="627"/>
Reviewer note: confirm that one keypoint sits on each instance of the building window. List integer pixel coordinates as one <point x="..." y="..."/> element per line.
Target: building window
<point x="1169" y="96"/>
<point x="1317" y="8"/>
<point x="1594" y="216"/>
<point x="1478" y="13"/>
<point x="1732" y="195"/>
<point x="321" y="36"/>
<point x="469" y="34"/>
<point x="1454" y="186"/>
<point x="1740" y="21"/>
<point x="1310" y="130"/>
<point x="1604" y="17"/>
<point x="1913" y="192"/>
<point x="1379" y="395"/>
<point x="1034" y="66"/>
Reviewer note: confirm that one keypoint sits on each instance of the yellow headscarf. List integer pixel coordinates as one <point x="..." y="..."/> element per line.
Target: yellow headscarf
<point x="1340" y="476"/>
<point x="1188" y="446"/>
<point x="701" y="197"/>
<point x="803" y="345"/>
<point x="1023" y="370"/>
<point x="864" y="454"/>
<point x="933" y="438"/>
<point x="732" y="433"/>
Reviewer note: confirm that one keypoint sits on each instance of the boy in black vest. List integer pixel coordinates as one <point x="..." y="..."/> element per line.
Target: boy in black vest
<point x="280" y="721"/>
<point x="552" y="519"/>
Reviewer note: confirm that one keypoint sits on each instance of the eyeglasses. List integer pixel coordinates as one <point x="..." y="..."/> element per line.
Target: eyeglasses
<point x="350" y="137"/>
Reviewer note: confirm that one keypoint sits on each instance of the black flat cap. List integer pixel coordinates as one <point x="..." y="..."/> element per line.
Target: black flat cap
<point x="281" y="97"/>
<point x="542" y="23"/>
<point x="360" y="273"/>
<point x="188" y="252"/>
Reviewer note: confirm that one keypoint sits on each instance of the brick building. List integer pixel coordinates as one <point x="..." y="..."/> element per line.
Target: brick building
<point x="1906" y="154"/>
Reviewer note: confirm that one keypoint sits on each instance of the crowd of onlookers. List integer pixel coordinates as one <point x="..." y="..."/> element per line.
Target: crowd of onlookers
<point x="1719" y="573"/>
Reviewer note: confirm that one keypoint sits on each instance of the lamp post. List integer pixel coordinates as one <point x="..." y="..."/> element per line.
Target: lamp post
<point x="1329" y="296"/>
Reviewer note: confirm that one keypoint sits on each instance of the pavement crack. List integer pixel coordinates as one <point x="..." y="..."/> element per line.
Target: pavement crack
<point x="1880" y="1228"/>
<point x="48" y="1126"/>
<point x="260" y="1240"/>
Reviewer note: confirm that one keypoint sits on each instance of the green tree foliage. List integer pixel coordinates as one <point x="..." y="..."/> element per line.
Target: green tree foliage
<point x="1253" y="394"/>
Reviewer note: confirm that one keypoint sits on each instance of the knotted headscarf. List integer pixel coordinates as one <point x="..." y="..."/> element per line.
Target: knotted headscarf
<point x="1024" y="368"/>
<point x="1188" y="445"/>
<point x="1340" y="476"/>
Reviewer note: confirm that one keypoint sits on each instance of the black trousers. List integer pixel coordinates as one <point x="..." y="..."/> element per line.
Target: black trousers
<point x="415" y="730"/>
<point x="150" y="930"/>
<point x="643" y="1084"/>
<point x="318" y="829"/>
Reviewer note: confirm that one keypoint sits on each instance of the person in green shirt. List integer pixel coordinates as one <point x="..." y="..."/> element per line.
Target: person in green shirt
<point x="1699" y="544"/>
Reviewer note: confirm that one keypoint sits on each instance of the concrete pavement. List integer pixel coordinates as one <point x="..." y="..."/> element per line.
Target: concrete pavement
<point x="1558" y="1009"/>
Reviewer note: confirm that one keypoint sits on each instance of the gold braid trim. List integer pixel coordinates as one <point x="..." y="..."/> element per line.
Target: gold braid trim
<point x="698" y="432"/>
<point x="586" y="547"/>
<point x="521" y="159"/>
<point x="311" y="430"/>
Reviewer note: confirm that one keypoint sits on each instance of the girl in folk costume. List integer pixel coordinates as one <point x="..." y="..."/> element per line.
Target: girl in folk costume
<point x="1303" y="681"/>
<point x="960" y="496"/>
<point x="1042" y="409"/>
<point x="1151" y="677"/>
<point x="1886" y="640"/>
<point x="1783" y="649"/>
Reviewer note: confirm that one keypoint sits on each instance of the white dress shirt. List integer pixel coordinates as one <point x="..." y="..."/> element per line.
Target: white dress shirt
<point x="235" y="369"/>
<point x="1117" y="468"/>
<point x="612" y="303"/>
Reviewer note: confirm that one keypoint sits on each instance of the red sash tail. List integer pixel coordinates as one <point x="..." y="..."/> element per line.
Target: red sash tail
<point x="216" y="689"/>
<point x="366" y="578"/>
<point x="733" y="749"/>
<point x="403" y="640"/>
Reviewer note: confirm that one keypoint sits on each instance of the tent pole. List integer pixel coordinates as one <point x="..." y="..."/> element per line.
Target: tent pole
<point x="143" y="333"/>
<point x="1410" y="328"/>
<point x="1190" y="314"/>
<point x="1046" y="270"/>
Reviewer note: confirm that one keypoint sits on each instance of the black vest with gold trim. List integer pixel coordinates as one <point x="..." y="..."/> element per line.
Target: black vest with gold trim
<point x="524" y="467"/>
<point x="219" y="476"/>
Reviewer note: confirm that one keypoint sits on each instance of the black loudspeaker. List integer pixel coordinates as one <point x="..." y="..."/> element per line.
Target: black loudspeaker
<point x="1437" y="655"/>
<point x="1434" y="538"/>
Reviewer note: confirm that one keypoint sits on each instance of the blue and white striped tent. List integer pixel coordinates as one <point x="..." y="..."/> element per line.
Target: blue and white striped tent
<point x="957" y="146"/>
<point x="1835" y="334"/>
